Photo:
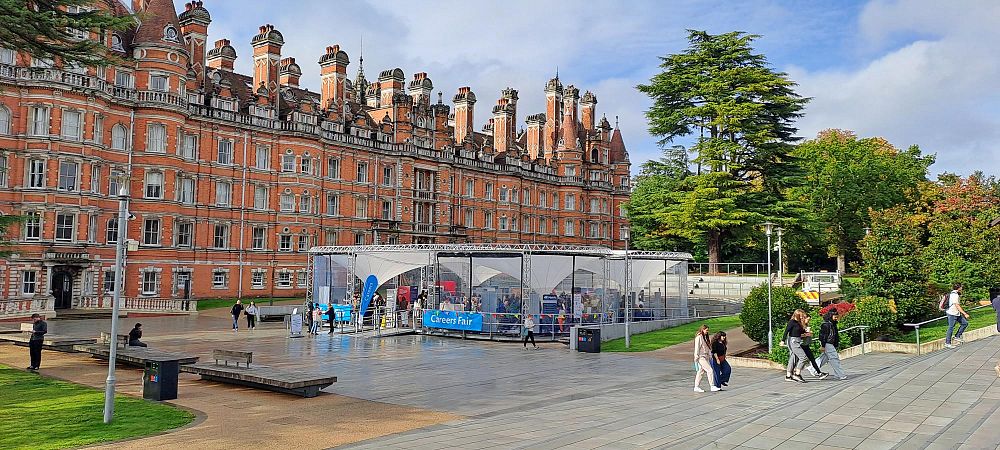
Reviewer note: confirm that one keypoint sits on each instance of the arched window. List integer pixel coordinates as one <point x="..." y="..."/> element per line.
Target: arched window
<point x="4" y="120"/>
<point x="118" y="137"/>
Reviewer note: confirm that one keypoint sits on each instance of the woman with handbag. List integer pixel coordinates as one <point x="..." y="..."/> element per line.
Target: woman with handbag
<point x="792" y="338"/>
<point x="702" y="356"/>
<point x="529" y="331"/>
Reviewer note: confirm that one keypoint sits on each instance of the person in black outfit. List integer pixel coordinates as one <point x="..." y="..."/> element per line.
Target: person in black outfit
<point x="807" y="349"/>
<point x="722" y="368"/>
<point x="792" y="338"/>
<point x="135" y="335"/>
<point x="236" y="311"/>
<point x="38" y="329"/>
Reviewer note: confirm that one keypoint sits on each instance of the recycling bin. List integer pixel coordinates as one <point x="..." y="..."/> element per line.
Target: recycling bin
<point x="588" y="340"/>
<point x="159" y="381"/>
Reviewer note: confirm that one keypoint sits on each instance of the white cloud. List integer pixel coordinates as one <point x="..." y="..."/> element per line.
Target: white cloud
<point x="938" y="91"/>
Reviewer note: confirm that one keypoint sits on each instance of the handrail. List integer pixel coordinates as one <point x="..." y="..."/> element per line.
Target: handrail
<point x="916" y="326"/>
<point x="862" y="328"/>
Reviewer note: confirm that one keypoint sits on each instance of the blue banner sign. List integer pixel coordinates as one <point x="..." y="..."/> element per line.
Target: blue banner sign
<point x="342" y="313"/>
<point x="453" y="320"/>
<point x="366" y="295"/>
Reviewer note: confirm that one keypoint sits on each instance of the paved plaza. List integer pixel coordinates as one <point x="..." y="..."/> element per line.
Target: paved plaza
<point x="420" y="392"/>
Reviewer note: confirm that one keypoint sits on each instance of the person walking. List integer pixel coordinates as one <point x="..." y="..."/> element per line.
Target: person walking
<point x="722" y="368"/>
<point x="251" y="313"/>
<point x="702" y="358"/>
<point x="317" y="319"/>
<point x="237" y="309"/>
<point x="38" y="329"/>
<point x="310" y="307"/>
<point x="792" y="339"/>
<point x="829" y="339"/>
<point x="956" y="314"/>
<point x="135" y="336"/>
<point x="807" y="349"/>
<point x="332" y="317"/>
<point x="529" y="331"/>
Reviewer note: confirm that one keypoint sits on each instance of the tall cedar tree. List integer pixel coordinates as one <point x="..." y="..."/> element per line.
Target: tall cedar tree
<point x="845" y="177"/>
<point x="47" y="29"/>
<point x="742" y="112"/>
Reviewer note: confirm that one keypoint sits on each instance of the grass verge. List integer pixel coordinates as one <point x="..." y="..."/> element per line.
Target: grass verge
<point x="666" y="337"/>
<point x="42" y="413"/>
<point x="215" y="303"/>
<point x="983" y="317"/>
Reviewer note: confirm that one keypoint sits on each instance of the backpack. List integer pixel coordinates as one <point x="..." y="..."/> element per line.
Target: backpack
<point x="943" y="303"/>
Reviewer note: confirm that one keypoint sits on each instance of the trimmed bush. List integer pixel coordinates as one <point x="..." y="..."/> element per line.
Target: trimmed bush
<point x="878" y="313"/>
<point x="784" y="302"/>
<point x="842" y="309"/>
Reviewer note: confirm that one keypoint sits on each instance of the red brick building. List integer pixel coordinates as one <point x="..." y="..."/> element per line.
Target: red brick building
<point x="233" y="177"/>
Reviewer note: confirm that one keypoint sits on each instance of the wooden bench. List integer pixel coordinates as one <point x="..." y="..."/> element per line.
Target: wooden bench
<point x="228" y="355"/>
<point x="121" y="341"/>
<point x="135" y="356"/>
<point x="294" y="382"/>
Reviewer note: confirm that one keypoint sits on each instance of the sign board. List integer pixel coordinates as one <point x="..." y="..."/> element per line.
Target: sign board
<point x="578" y="305"/>
<point x="295" y="326"/>
<point x="453" y="320"/>
<point x="371" y="283"/>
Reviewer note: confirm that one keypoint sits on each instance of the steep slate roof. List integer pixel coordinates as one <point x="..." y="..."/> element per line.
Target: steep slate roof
<point x="618" y="152"/>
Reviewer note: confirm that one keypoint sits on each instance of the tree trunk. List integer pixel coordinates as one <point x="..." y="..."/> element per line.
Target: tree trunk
<point x="714" y="251"/>
<point x="842" y="263"/>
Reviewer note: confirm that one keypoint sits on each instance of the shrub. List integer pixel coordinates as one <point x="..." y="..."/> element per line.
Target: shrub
<point x="915" y="309"/>
<point x="784" y="302"/>
<point x="842" y="309"/>
<point x="878" y="313"/>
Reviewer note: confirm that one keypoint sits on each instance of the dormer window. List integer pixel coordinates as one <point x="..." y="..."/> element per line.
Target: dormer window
<point x="170" y="33"/>
<point x="116" y="43"/>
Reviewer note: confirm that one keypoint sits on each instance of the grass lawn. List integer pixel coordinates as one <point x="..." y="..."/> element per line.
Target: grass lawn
<point x="214" y="303"/>
<point x="666" y="337"/>
<point x="43" y="413"/>
<point x="983" y="317"/>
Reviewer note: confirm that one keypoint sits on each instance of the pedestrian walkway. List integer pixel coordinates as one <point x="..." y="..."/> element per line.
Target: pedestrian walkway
<point x="943" y="400"/>
<point x="428" y="392"/>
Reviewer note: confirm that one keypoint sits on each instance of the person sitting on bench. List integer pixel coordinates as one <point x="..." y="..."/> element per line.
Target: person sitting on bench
<point x="135" y="335"/>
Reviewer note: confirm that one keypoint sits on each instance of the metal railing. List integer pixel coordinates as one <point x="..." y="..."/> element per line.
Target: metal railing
<point x="863" y="328"/>
<point x="916" y="326"/>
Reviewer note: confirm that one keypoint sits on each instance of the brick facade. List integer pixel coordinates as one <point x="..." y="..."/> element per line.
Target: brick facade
<point x="233" y="177"/>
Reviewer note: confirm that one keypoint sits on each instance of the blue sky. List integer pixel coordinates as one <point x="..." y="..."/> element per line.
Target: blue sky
<point x="915" y="72"/>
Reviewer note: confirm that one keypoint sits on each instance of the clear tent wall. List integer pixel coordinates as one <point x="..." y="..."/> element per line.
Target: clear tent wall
<point x="560" y="286"/>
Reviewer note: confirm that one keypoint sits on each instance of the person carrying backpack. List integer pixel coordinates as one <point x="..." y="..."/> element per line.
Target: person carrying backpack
<point x="956" y="314"/>
<point x="829" y="339"/>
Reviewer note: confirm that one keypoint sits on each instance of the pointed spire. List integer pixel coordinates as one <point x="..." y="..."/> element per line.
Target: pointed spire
<point x="616" y="121"/>
<point x="360" y="83"/>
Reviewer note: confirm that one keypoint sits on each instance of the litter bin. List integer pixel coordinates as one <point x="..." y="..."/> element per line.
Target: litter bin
<point x="159" y="381"/>
<point x="588" y="340"/>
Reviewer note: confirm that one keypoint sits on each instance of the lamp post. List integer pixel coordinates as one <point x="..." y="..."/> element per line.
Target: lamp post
<point x="768" y="228"/>
<point x="628" y="288"/>
<point x="122" y="178"/>
<point x="781" y="262"/>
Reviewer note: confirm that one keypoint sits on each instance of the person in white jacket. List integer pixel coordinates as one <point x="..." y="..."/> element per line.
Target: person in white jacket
<point x="702" y="357"/>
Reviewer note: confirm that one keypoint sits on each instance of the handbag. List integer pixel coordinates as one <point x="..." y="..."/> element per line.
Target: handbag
<point x="524" y="331"/>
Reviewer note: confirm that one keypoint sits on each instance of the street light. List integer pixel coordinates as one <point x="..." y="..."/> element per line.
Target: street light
<point x="628" y="287"/>
<point x="122" y="178"/>
<point x="768" y="228"/>
<point x="781" y="262"/>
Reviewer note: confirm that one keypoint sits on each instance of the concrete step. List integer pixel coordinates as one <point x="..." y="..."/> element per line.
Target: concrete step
<point x="82" y="314"/>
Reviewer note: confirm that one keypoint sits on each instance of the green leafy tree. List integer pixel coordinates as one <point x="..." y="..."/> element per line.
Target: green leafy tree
<point x="47" y="28"/>
<point x="961" y="244"/>
<point x="6" y="222"/>
<point x="742" y="112"/>
<point x="845" y="177"/>
<point x="892" y="262"/>
<point x="657" y="181"/>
